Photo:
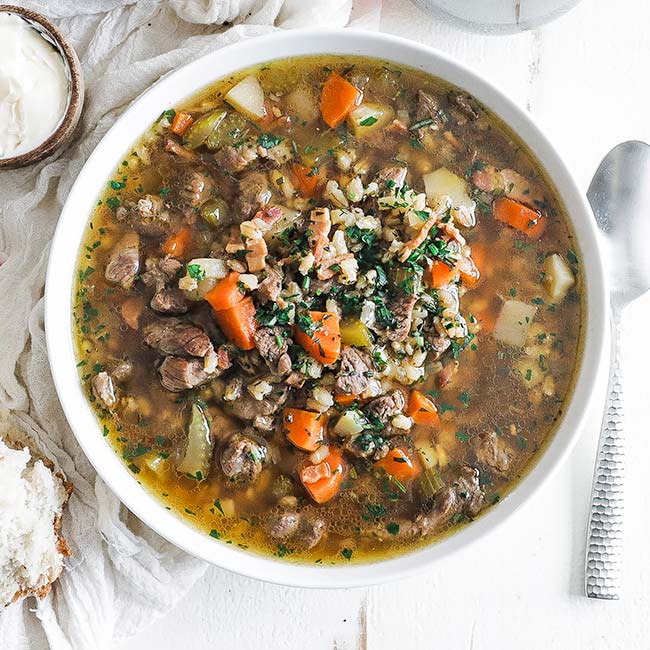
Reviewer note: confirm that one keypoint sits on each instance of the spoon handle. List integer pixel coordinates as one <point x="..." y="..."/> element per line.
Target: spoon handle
<point x="604" y="560"/>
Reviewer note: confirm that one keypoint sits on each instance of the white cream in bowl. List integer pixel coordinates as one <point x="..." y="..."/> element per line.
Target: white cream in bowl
<point x="34" y="87"/>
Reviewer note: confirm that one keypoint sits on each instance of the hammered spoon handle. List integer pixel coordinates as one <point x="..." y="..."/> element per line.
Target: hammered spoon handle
<point x="604" y="563"/>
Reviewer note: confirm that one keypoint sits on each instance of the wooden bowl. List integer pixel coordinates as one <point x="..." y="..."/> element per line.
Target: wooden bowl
<point x="61" y="135"/>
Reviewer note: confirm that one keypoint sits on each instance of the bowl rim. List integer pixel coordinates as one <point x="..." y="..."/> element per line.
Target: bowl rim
<point x="181" y="84"/>
<point x="70" y="117"/>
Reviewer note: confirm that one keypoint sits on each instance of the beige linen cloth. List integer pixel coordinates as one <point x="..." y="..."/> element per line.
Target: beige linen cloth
<point x="122" y="576"/>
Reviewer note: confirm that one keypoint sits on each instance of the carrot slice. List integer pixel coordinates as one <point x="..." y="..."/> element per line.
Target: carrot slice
<point x="439" y="274"/>
<point x="345" y="400"/>
<point x="177" y="243"/>
<point x="323" y="481"/>
<point x="226" y="293"/>
<point x="320" y="334"/>
<point x="307" y="179"/>
<point x="422" y="409"/>
<point x="181" y="123"/>
<point x="337" y="99"/>
<point x="238" y="323"/>
<point x="519" y="216"/>
<point x="304" y="429"/>
<point x="399" y="465"/>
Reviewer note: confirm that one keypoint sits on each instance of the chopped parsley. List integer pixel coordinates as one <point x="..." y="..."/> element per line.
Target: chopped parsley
<point x="269" y="140"/>
<point x="368" y="121"/>
<point x="196" y="271"/>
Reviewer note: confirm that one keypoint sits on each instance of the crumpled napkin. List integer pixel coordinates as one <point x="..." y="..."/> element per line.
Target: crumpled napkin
<point x="122" y="575"/>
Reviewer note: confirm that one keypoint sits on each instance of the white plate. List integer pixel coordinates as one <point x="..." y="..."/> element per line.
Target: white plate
<point x="170" y="91"/>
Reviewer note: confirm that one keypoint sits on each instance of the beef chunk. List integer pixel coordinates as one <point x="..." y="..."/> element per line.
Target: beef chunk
<point x="160" y="271"/>
<point x="269" y="289"/>
<point x="103" y="390"/>
<point x="233" y="160"/>
<point x="148" y="216"/>
<point x="367" y="445"/>
<point x="401" y="308"/>
<point x="383" y="409"/>
<point x="311" y="531"/>
<point x="469" y="490"/>
<point x="428" y="107"/>
<point x="465" y="105"/>
<point x="448" y="372"/>
<point x="124" y="261"/>
<point x="464" y="496"/>
<point x="122" y="371"/>
<point x="391" y="178"/>
<point x="254" y="192"/>
<point x="246" y="407"/>
<point x="250" y="362"/>
<point x="493" y="451"/>
<point x="282" y="525"/>
<point x="178" y="374"/>
<point x="195" y="188"/>
<point x="169" y="300"/>
<point x="242" y="458"/>
<point x="273" y="344"/>
<point x="355" y="372"/>
<point x="175" y="337"/>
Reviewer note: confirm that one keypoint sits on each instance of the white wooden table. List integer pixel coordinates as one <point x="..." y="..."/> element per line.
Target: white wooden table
<point x="584" y="77"/>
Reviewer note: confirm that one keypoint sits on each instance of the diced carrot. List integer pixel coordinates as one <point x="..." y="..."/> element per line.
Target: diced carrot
<point x="181" y="123"/>
<point x="322" y="340"/>
<point x="422" y="409"/>
<point x="131" y="310"/>
<point x="304" y="429"/>
<point x="519" y="216"/>
<point x="323" y="481"/>
<point x="177" y="243"/>
<point x="399" y="465"/>
<point x="238" y="323"/>
<point x="307" y="179"/>
<point x="439" y="274"/>
<point x="226" y="293"/>
<point x="345" y="400"/>
<point x="337" y="99"/>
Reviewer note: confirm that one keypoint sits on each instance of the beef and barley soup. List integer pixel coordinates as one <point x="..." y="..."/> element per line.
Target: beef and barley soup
<point x="329" y="309"/>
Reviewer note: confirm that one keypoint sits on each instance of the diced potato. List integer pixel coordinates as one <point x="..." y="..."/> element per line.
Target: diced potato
<point x="354" y="332"/>
<point x="513" y="322"/>
<point x="443" y="182"/>
<point x="302" y="102"/>
<point x="558" y="278"/>
<point x="247" y="97"/>
<point x="370" y="117"/>
<point x="350" y="423"/>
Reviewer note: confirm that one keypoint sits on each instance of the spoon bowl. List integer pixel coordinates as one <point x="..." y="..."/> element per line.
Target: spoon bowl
<point x="620" y="198"/>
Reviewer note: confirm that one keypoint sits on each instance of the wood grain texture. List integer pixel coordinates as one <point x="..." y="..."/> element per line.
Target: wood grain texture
<point x="584" y="79"/>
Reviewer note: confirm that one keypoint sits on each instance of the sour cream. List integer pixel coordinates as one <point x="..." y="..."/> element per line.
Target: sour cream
<point x="33" y="87"/>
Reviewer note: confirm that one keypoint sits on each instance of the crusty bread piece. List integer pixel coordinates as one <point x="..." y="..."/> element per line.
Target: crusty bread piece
<point x="32" y="498"/>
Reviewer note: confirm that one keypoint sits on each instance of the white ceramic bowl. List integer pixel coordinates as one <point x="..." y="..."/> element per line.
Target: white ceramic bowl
<point x="171" y="90"/>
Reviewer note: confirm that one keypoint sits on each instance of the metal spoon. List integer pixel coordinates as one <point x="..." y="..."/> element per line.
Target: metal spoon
<point x="620" y="198"/>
